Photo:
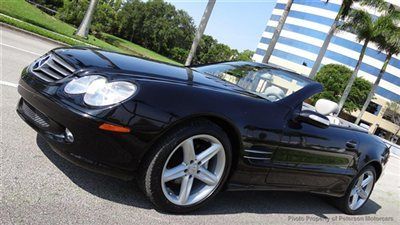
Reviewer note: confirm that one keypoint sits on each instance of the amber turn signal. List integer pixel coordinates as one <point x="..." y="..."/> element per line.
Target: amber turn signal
<point x="114" y="128"/>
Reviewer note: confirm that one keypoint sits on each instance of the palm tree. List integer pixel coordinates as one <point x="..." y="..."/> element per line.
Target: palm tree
<point x="83" y="29"/>
<point x="394" y="112"/>
<point x="277" y="32"/>
<point x="360" y="23"/>
<point x="200" y="31"/>
<point x="388" y="41"/>
<point x="344" y="11"/>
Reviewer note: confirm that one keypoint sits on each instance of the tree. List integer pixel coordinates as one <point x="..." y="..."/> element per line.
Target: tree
<point x="388" y="41"/>
<point x="277" y="32"/>
<point x="334" y="78"/>
<point x="393" y="110"/>
<point x="52" y="4"/>
<point x="344" y="11"/>
<point x="105" y="18"/>
<point x="83" y="29"/>
<point x="179" y="54"/>
<point x="246" y="55"/>
<point x="130" y="19"/>
<point x="72" y="12"/>
<point x="366" y="28"/>
<point x="200" y="31"/>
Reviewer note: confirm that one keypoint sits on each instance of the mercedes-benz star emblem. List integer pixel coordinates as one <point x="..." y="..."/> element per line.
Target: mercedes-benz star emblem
<point x="41" y="62"/>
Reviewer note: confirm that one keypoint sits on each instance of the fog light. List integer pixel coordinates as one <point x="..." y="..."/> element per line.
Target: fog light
<point x="68" y="136"/>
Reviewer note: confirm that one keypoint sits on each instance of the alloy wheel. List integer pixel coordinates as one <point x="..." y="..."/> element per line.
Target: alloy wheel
<point x="361" y="190"/>
<point x="193" y="170"/>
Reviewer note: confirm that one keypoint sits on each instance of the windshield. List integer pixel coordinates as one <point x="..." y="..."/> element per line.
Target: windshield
<point x="270" y="83"/>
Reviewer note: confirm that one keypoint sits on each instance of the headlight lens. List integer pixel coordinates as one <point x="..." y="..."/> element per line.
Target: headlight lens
<point x="99" y="92"/>
<point x="80" y="85"/>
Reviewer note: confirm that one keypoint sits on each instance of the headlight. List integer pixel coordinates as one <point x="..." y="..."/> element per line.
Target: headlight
<point x="80" y="85"/>
<point x="99" y="92"/>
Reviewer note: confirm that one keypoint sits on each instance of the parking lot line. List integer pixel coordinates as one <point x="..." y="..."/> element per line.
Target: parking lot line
<point x="20" y="49"/>
<point x="6" y="83"/>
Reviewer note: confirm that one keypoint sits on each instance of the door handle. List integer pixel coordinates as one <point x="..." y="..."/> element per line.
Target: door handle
<point x="351" y="144"/>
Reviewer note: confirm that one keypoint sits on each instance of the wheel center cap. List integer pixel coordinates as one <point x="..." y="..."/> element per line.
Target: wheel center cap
<point x="192" y="169"/>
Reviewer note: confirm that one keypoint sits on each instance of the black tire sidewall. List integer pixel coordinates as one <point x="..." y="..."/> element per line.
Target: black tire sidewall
<point x="152" y="177"/>
<point x="345" y="199"/>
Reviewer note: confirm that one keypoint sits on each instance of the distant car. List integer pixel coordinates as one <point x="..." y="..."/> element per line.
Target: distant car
<point x="187" y="133"/>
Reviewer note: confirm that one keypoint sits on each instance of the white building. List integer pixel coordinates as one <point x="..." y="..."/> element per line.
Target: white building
<point x="301" y="38"/>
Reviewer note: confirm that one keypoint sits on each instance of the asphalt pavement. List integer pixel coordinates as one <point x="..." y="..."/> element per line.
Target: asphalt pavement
<point x="39" y="187"/>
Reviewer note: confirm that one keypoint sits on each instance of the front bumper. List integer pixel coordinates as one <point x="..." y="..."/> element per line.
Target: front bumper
<point x="114" y="154"/>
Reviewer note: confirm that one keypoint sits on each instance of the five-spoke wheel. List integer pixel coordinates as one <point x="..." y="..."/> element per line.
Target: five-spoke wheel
<point x="358" y="191"/>
<point x="197" y="172"/>
<point x="361" y="190"/>
<point x="188" y="167"/>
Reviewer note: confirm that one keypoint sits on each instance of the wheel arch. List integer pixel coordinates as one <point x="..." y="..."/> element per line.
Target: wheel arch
<point x="227" y="125"/>
<point x="377" y="166"/>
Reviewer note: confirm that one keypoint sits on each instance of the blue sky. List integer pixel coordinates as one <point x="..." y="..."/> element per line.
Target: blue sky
<point x="237" y="23"/>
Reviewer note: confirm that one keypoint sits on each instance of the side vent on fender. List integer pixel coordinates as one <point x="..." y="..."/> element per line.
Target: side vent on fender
<point x="264" y="155"/>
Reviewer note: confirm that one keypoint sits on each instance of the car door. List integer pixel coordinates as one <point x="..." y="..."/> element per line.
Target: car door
<point x="312" y="157"/>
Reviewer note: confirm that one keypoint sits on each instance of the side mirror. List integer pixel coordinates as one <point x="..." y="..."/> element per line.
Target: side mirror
<point x="313" y="118"/>
<point x="326" y="107"/>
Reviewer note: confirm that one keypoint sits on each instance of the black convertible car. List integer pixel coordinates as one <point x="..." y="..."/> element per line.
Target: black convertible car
<point x="186" y="133"/>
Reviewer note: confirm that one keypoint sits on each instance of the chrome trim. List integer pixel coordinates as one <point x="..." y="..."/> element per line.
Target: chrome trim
<point x="259" y="158"/>
<point x="319" y="119"/>
<point x="43" y="77"/>
<point x="257" y="152"/>
<point x="51" y="73"/>
<point x="51" y="68"/>
<point x="64" y="64"/>
<point x="54" y="65"/>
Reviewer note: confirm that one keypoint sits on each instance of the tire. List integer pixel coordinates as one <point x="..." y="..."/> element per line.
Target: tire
<point x="154" y="169"/>
<point x="344" y="203"/>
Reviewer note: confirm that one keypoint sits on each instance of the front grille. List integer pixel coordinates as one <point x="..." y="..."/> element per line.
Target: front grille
<point x="51" y="68"/>
<point x="37" y="117"/>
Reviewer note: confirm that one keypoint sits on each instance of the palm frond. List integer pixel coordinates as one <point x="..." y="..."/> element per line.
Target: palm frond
<point x="380" y="5"/>
<point x="360" y="23"/>
<point x="387" y="33"/>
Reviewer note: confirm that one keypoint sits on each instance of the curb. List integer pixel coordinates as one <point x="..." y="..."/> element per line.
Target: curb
<point x="2" y="24"/>
<point x="394" y="155"/>
<point x="41" y="36"/>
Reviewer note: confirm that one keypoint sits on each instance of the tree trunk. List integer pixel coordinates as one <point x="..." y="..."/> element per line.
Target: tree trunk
<point x="277" y="32"/>
<point x="83" y="29"/>
<point x="376" y="84"/>
<point x="325" y="45"/>
<point x="200" y="31"/>
<point x="353" y="77"/>
<point x="133" y="32"/>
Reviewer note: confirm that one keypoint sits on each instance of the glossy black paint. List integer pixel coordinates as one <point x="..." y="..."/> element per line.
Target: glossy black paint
<point x="272" y="149"/>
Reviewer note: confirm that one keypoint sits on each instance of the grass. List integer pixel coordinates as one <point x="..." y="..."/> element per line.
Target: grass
<point x="32" y="19"/>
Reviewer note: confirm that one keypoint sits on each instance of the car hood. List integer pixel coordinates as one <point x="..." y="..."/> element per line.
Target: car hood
<point x="101" y="60"/>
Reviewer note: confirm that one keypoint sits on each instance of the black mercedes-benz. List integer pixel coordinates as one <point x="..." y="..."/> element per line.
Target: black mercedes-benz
<point x="186" y="133"/>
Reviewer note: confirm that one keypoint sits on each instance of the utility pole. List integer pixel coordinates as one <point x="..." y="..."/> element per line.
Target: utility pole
<point x="83" y="29"/>
<point x="200" y="31"/>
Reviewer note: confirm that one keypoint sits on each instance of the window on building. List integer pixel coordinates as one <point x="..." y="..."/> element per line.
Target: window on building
<point x="374" y="108"/>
